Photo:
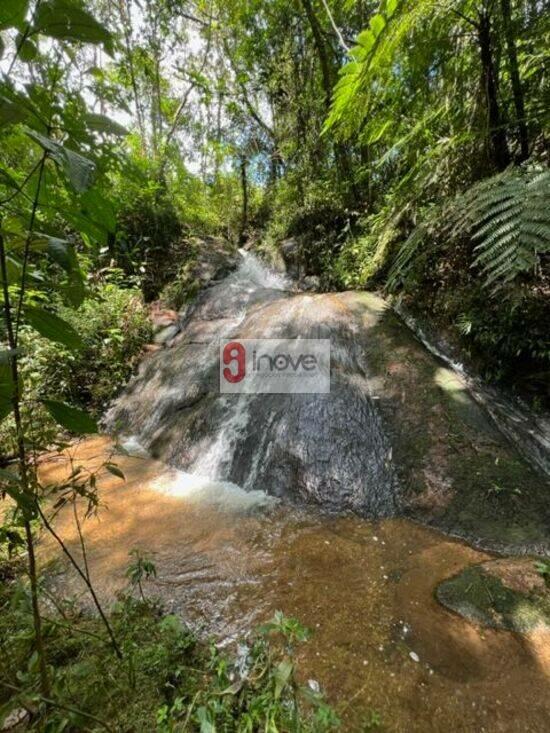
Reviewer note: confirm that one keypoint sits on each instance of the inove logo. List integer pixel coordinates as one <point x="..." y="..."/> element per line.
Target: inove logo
<point x="275" y="366"/>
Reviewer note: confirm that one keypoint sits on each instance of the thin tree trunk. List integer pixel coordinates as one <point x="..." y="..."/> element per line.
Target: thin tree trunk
<point x="321" y="48"/>
<point x="126" y="23"/>
<point x="489" y="77"/>
<point x="244" y="184"/>
<point x="328" y="73"/>
<point x="517" y="90"/>
<point x="24" y="476"/>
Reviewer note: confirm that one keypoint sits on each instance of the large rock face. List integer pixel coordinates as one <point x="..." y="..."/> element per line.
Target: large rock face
<point x="398" y="432"/>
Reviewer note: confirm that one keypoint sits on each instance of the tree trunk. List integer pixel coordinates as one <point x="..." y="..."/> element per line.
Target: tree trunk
<point x="244" y="184"/>
<point x="328" y="72"/>
<point x="523" y="136"/>
<point x="489" y="78"/>
<point x="324" y="62"/>
<point x="126" y="23"/>
<point x="27" y="487"/>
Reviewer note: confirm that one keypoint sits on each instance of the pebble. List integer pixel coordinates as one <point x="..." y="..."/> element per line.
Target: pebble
<point x="414" y="656"/>
<point x="16" y="719"/>
<point x="314" y="685"/>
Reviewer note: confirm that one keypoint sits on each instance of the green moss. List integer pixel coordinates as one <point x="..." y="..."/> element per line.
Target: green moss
<point x="457" y="470"/>
<point x="479" y="596"/>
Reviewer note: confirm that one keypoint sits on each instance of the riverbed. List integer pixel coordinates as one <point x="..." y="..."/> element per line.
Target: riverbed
<point x="227" y="559"/>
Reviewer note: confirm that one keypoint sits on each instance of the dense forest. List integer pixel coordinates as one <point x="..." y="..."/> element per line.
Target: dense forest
<point x="399" y="146"/>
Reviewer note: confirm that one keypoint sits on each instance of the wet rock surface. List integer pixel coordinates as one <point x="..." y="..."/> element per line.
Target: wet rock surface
<point x="501" y="594"/>
<point x="398" y="434"/>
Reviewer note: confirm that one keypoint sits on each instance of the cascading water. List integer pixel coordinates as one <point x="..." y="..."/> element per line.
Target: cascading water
<point x="397" y="433"/>
<point x="325" y="448"/>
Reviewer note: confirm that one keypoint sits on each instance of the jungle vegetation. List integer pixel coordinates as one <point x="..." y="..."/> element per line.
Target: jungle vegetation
<point x="404" y="144"/>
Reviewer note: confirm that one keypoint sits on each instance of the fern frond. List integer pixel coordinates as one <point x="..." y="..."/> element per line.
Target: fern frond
<point x="509" y="215"/>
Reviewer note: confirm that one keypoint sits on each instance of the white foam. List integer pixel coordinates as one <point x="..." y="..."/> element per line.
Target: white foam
<point x="203" y="490"/>
<point x="252" y="272"/>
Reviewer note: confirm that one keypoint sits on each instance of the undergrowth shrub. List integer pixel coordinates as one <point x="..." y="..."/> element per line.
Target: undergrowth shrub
<point x="114" y="325"/>
<point x="167" y="680"/>
<point x="149" y="232"/>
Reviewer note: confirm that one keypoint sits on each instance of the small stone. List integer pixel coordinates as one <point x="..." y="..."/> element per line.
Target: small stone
<point x="314" y="685"/>
<point x="375" y="538"/>
<point x="16" y="719"/>
<point x="414" y="656"/>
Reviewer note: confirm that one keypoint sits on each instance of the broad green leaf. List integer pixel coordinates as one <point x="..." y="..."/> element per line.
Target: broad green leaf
<point x="74" y="290"/>
<point x="99" y="209"/>
<point x="71" y="418"/>
<point x="12" y="13"/>
<point x="78" y="169"/>
<point x="6" y="389"/>
<point x="52" y="327"/>
<point x="377" y="24"/>
<point x="62" y="253"/>
<point x="7" y="180"/>
<point x="102" y="123"/>
<point x="10" y="112"/>
<point x="366" y="39"/>
<point x="115" y="470"/>
<point x="24" y="501"/>
<point x="206" y="724"/>
<point x="11" y="484"/>
<point x="85" y="225"/>
<point x="282" y="674"/>
<point x="9" y="477"/>
<point x="28" y="50"/>
<point x="14" y="270"/>
<point x="67" y="20"/>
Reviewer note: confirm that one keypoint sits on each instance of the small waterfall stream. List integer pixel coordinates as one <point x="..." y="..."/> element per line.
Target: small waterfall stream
<point x="252" y="503"/>
<point x="399" y="433"/>
<point x="303" y="446"/>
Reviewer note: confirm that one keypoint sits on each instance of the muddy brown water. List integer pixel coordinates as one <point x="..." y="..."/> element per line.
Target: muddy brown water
<point x="365" y="589"/>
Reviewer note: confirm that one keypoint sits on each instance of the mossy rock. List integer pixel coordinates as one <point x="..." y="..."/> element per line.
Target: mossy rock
<point x="502" y="594"/>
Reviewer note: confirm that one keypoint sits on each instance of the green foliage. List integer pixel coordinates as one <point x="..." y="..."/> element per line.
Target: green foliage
<point x="52" y="327"/>
<point x="509" y="217"/>
<point x="258" y="691"/>
<point x="142" y="568"/>
<point x="543" y="569"/>
<point x="71" y="418"/>
<point x="112" y="326"/>
<point x="166" y="680"/>
<point x="68" y="20"/>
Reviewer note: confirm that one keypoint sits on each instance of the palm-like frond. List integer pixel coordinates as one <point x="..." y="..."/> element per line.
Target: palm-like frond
<point x="509" y="216"/>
